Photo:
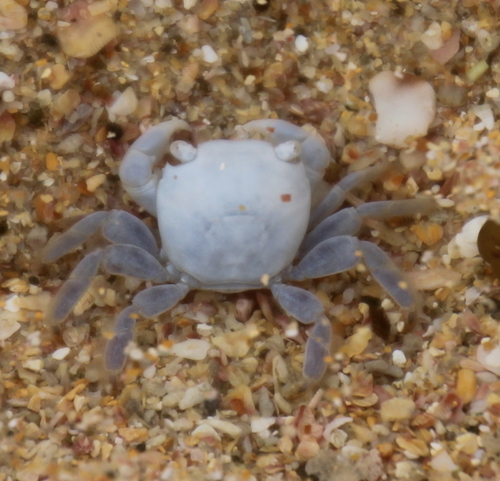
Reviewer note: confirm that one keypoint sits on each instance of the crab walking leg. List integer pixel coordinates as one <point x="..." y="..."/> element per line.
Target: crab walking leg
<point x="338" y="254"/>
<point x="348" y="221"/>
<point x="342" y="253"/>
<point x="298" y="303"/>
<point x="114" y="357"/>
<point x="335" y="198"/>
<point x="120" y="227"/>
<point x="75" y="236"/>
<point x="129" y="260"/>
<point x="387" y="274"/>
<point x="159" y="299"/>
<point x="137" y="172"/>
<point x="315" y="154"/>
<point x="344" y="222"/>
<point x="120" y="259"/>
<point x="117" y="226"/>
<point x="317" y="349"/>
<point x="74" y="288"/>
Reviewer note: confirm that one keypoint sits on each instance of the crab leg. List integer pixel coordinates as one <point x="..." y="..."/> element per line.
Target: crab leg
<point x="120" y="227"/>
<point x="307" y="309"/>
<point x="387" y="274"/>
<point x="298" y="303"/>
<point x="148" y="303"/>
<point x="119" y="259"/>
<point x="137" y="170"/>
<point x="79" y="233"/>
<point x="129" y="260"/>
<point x="317" y="349"/>
<point x="348" y="221"/>
<point x="344" y="222"/>
<point x="315" y="154"/>
<point x="335" y="198"/>
<point x="117" y="226"/>
<point x="339" y="254"/>
<point x="114" y="357"/>
<point x="74" y="288"/>
<point x="159" y="299"/>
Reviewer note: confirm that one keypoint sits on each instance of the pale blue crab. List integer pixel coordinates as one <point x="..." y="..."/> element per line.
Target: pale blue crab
<point x="234" y="215"/>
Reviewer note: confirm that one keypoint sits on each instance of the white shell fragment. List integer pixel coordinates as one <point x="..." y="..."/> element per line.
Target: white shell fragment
<point x="194" y="395"/>
<point x="193" y="349"/>
<point x="432" y="38"/>
<point x="125" y="104"/>
<point x="464" y="244"/>
<point x="301" y="43"/>
<point x="61" y="353"/>
<point x="208" y="54"/>
<point x="7" y="328"/>
<point x="405" y="105"/>
<point x="485" y="113"/>
<point x="6" y="82"/>
<point x="82" y="34"/>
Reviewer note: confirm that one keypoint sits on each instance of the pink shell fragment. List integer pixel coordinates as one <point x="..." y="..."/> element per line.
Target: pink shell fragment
<point x="406" y="106"/>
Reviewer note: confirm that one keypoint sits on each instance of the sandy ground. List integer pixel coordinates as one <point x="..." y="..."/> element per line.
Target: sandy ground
<point x="406" y="396"/>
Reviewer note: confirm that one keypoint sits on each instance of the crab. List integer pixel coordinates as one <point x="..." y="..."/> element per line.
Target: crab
<point x="233" y="215"/>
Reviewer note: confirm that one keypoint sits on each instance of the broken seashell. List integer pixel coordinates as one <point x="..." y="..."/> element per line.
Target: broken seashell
<point x="448" y="49"/>
<point x="125" y="103"/>
<point x="12" y="15"/>
<point x="405" y="105"/>
<point x="82" y="34"/>
<point x="488" y="244"/>
<point x="465" y="243"/>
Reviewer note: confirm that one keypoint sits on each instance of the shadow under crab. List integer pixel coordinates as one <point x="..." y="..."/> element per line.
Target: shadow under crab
<point x="235" y="215"/>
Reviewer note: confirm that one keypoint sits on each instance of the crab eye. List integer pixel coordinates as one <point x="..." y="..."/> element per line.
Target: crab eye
<point x="183" y="151"/>
<point x="289" y="151"/>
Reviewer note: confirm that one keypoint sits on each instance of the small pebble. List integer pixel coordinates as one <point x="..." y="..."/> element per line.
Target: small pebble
<point x="301" y="43"/>
<point x="7" y="328"/>
<point x="205" y="431"/>
<point x="61" y="353"/>
<point x="399" y="358"/>
<point x="357" y="343"/>
<point x="261" y="424"/>
<point x="208" y="54"/>
<point x="33" y="364"/>
<point x="81" y="34"/>
<point x="193" y="396"/>
<point x="397" y="409"/>
<point x="95" y="181"/>
<point x="8" y="96"/>
<point x="225" y="427"/>
<point x="466" y="385"/>
<point x="6" y="82"/>
<point x="442" y="462"/>
<point x="194" y="349"/>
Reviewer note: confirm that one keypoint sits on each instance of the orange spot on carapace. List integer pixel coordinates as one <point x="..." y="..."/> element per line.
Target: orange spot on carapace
<point x="286" y="197"/>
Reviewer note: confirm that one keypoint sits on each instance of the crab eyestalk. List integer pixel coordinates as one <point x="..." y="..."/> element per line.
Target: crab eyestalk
<point x="183" y="151"/>
<point x="289" y="151"/>
<point x="314" y="153"/>
<point x="137" y="170"/>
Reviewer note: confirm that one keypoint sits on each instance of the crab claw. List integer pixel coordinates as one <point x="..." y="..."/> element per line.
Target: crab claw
<point x="137" y="170"/>
<point x="183" y="151"/>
